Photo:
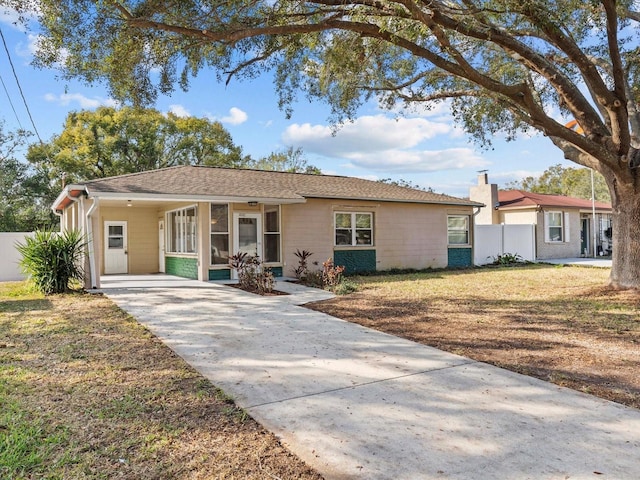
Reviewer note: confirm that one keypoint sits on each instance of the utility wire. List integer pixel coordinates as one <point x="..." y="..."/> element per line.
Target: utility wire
<point x="10" y="101"/>
<point x="24" y="100"/>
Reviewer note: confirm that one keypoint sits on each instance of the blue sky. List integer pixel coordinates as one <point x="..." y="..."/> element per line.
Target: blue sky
<point x="425" y="148"/>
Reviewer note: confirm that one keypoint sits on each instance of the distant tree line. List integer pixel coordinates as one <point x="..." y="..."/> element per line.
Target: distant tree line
<point x="569" y="181"/>
<point x="106" y="142"/>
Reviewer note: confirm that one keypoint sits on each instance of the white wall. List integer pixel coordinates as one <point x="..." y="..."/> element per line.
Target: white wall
<point x="9" y="256"/>
<point x="493" y="240"/>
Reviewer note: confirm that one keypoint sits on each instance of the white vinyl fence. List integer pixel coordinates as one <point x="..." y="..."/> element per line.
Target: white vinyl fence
<point x="493" y="240"/>
<point x="9" y="256"/>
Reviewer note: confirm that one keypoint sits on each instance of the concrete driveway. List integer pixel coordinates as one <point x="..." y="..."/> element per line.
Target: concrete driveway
<point x="356" y="403"/>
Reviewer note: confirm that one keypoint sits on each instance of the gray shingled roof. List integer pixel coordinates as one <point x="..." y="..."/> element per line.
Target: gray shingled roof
<point x="231" y="182"/>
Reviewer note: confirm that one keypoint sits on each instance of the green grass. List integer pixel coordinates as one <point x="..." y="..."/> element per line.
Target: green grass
<point x="88" y="393"/>
<point x="562" y="324"/>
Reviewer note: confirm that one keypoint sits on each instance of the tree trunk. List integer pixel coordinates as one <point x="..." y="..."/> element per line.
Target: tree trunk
<point x="626" y="239"/>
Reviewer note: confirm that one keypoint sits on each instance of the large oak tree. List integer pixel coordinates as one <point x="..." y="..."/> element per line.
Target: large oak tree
<point x="504" y="65"/>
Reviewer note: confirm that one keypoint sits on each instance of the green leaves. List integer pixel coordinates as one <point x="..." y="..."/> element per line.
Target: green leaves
<point x="572" y="182"/>
<point x="109" y="141"/>
<point x="52" y="260"/>
<point x="25" y="199"/>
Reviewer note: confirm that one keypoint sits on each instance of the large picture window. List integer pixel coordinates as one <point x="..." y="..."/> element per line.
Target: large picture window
<point x="458" y="229"/>
<point x="182" y="231"/>
<point x="555" y="227"/>
<point x="219" y="234"/>
<point x="272" y="233"/>
<point x="353" y="229"/>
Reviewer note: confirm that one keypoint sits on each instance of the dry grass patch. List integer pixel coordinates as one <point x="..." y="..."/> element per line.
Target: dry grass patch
<point x="87" y="392"/>
<point x="556" y="323"/>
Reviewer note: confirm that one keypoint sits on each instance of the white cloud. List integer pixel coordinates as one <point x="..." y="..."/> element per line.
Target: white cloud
<point x="179" y="110"/>
<point x="502" y="178"/>
<point x="415" y="161"/>
<point x="384" y="144"/>
<point x="235" y="117"/>
<point x="11" y="17"/>
<point x="83" y="101"/>
<point x="365" y="134"/>
<point x="30" y="48"/>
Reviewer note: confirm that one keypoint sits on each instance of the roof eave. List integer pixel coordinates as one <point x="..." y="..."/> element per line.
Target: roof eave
<point x="69" y="192"/>
<point x="166" y="197"/>
<point x="397" y="200"/>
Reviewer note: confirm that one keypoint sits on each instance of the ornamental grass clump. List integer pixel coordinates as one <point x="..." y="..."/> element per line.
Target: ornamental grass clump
<point x="53" y="260"/>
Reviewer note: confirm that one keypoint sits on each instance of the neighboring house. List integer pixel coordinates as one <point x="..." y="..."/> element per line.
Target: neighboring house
<point x="564" y="226"/>
<point x="188" y="220"/>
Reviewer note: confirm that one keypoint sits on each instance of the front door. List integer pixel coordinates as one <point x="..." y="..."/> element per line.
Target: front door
<point x="115" y="247"/>
<point x="247" y="234"/>
<point x="584" y="237"/>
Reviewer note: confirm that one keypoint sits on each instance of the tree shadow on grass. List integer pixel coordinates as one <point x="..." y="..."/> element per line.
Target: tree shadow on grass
<point x="582" y="343"/>
<point x="13" y="306"/>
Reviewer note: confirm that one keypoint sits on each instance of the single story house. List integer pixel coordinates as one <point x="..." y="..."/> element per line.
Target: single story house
<point x="564" y="226"/>
<point x="188" y="220"/>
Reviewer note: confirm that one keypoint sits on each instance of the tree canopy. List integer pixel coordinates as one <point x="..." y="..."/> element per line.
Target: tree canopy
<point x="568" y="181"/>
<point x="26" y="196"/>
<point x="109" y="141"/>
<point x="288" y="160"/>
<point x="504" y="66"/>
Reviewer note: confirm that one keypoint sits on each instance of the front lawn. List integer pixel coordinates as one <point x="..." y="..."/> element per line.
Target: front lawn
<point x="88" y="393"/>
<point x="559" y="324"/>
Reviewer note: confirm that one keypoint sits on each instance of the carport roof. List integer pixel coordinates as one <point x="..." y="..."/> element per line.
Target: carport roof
<point x="219" y="183"/>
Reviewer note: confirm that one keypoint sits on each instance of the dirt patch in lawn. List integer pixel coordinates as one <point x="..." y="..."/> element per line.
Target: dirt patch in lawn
<point x="560" y="324"/>
<point x="87" y="392"/>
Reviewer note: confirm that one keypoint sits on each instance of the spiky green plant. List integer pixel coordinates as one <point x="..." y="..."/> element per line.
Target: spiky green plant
<point x="52" y="260"/>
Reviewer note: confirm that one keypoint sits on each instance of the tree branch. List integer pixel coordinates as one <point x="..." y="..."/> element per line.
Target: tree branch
<point x="620" y="121"/>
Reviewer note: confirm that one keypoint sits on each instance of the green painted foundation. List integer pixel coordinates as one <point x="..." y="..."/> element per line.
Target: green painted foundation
<point x="220" y="274"/>
<point x="460" y="257"/>
<point x="182" y="267"/>
<point x="225" y="273"/>
<point x="277" y="271"/>
<point x="355" y="261"/>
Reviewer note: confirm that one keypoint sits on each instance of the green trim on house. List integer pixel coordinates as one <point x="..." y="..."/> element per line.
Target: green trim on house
<point x="277" y="271"/>
<point x="460" y="257"/>
<point x="220" y="274"/>
<point x="355" y="261"/>
<point x="182" y="267"/>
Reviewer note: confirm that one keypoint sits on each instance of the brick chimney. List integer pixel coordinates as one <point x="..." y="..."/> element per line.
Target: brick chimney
<point x="485" y="193"/>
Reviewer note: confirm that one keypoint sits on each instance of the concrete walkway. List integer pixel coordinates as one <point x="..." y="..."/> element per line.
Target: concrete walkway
<point x="581" y="262"/>
<point x="356" y="403"/>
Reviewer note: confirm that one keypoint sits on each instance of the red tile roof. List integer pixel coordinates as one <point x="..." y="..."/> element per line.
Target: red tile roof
<point x="519" y="199"/>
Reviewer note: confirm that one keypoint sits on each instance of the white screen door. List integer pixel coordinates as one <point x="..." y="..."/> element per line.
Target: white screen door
<point x="115" y="247"/>
<point x="161" y="240"/>
<point x="247" y="234"/>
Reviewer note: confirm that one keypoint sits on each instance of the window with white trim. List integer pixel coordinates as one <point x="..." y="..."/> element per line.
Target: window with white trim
<point x="182" y="230"/>
<point x="271" y="233"/>
<point x="458" y="229"/>
<point x="554" y="223"/>
<point x="353" y="229"/>
<point x="219" y="233"/>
